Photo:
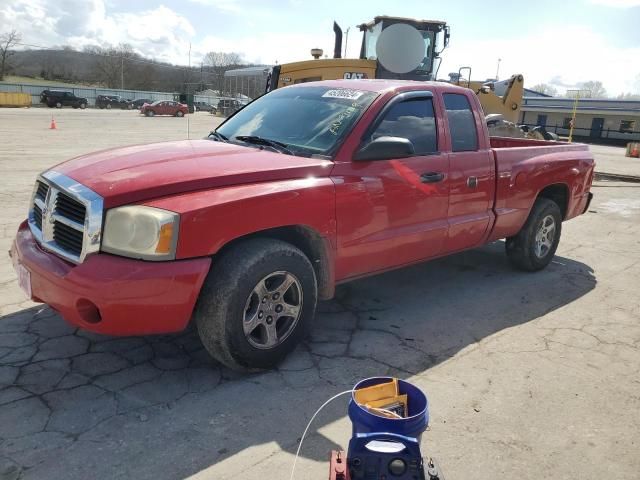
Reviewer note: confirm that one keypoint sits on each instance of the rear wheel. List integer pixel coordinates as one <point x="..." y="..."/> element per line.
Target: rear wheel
<point x="108" y="106"/>
<point x="149" y="113"/>
<point x="58" y="105"/>
<point x="535" y="244"/>
<point x="256" y="304"/>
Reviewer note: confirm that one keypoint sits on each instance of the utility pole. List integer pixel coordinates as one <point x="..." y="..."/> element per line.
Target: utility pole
<point x="122" y="71"/>
<point x="498" y="70"/>
<point x="189" y="70"/>
<point x="346" y="41"/>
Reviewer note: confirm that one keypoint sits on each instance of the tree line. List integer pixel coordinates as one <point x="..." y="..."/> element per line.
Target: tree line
<point x="121" y="67"/>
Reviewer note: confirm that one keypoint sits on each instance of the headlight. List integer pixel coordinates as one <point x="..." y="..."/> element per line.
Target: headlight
<point x="141" y="232"/>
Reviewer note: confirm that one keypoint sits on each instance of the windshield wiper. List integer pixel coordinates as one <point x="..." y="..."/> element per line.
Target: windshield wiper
<point x="281" y="147"/>
<point x="218" y="137"/>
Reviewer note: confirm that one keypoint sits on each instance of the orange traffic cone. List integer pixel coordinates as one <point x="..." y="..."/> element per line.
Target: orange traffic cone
<point x="53" y="124"/>
<point x="634" y="152"/>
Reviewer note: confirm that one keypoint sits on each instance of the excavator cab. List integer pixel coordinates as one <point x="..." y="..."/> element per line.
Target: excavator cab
<point x="404" y="48"/>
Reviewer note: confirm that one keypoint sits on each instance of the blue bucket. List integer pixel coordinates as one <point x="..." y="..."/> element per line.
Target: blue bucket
<point x="412" y="426"/>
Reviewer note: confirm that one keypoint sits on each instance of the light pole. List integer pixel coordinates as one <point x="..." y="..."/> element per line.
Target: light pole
<point x="498" y="70"/>
<point x="346" y="41"/>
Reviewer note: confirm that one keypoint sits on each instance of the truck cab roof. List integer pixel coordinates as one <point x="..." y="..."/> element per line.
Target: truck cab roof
<point x="383" y="85"/>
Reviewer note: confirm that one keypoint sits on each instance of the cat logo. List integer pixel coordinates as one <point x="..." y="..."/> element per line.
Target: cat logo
<point x="354" y="75"/>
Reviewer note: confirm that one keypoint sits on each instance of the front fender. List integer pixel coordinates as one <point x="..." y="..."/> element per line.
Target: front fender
<point x="210" y="219"/>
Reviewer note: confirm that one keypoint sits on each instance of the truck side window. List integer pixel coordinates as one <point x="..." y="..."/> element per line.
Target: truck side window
<point x="462" y="125"/>
<point x="412" y="119"/>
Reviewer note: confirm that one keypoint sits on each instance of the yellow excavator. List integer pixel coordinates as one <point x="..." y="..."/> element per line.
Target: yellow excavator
<point x="400" y="48"/>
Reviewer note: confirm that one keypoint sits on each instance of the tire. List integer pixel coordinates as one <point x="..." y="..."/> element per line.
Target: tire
<point x="58" y="105"/>
<point x="101" y="107"/>
<point x="83" y="106"/>
<point x="179" y="113"/>
<point x="108" y="106"/>
<point x="230" y="295"/>
<point x="149" y="113"/>
<point x="532" y="249"/>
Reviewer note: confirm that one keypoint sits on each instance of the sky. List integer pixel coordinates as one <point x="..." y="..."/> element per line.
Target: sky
<point x="554" y="42"/>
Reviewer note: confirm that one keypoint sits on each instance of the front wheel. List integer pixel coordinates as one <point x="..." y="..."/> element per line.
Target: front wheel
<point x="58" y="105"/>
<point x="535" y="244"/>
<point x="149" y="113"/>
<point x="83" y="106"/>
<point x="256" y="304"/>
<point x="179" y="113"/>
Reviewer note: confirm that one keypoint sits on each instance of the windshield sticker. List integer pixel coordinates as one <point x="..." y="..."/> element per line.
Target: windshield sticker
<point x="343" y="93"/>
<point x="342" y="116"/>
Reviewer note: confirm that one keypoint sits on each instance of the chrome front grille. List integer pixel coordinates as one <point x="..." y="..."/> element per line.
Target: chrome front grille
<point x="65" y="217"/>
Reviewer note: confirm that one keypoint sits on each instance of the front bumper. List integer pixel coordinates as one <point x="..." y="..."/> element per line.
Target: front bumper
<point x="113" y="295"/>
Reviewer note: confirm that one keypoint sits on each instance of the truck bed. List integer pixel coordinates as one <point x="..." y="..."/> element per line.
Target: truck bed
<point x="524" y="167"/>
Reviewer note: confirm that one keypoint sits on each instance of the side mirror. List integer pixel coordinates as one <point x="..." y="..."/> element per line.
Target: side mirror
<point x="384" y="148"/>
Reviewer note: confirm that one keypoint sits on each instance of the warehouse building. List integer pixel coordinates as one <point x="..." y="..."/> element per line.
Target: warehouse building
<point x="597" y="120"/>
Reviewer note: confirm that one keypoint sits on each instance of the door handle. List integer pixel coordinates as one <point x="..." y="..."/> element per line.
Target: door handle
<point x="431" y="177"/>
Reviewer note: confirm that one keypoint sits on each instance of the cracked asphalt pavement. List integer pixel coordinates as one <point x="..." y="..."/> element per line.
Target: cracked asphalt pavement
<point x="528" y="375"/>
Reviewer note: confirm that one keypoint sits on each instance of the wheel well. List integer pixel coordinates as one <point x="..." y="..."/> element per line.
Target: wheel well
<point x="559" y="193"/>
<point x="315" y="247"/>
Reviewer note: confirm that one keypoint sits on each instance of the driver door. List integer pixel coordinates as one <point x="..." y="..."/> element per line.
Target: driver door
<point x="393" y="211"/>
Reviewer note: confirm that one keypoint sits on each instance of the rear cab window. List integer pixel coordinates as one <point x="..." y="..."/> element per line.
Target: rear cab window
<point x="462" y="124"/>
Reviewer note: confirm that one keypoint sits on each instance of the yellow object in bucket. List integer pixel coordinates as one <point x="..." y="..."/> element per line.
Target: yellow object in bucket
<point x="383" y="399"/>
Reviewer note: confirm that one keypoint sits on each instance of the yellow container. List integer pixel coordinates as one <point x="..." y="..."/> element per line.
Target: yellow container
<point x="11" y="99"/>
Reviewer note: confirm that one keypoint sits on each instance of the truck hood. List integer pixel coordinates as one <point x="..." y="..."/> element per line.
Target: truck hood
<point x="142" y="172"/>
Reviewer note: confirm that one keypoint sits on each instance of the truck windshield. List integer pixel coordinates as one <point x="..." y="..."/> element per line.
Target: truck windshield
<point x="307" y="120"/>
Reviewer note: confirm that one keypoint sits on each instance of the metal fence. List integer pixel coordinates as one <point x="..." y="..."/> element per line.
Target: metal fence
<point x="91" y="93"/>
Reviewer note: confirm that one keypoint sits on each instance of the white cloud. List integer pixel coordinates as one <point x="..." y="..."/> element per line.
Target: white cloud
<point x="275" y="46"/>
<point x="160" y="33"/>
<point x="233" y="6"/>
<point x="567" y="54"/>
<point x="617" y="3"/>
<point x="563" y="55"/>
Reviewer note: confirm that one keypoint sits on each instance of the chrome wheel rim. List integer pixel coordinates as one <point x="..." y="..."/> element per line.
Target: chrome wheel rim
<point x="545" y="236"/>
<point x="272" y="310"/>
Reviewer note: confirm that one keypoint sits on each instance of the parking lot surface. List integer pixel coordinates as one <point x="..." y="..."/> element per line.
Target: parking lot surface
<point x="529" y="376"/>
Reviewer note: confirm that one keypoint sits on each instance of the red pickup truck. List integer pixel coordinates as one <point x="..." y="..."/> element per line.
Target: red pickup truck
<point x="308" y="186"/>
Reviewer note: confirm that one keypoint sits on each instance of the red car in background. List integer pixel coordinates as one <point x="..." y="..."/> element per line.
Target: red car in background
<point x="164" y="107"/>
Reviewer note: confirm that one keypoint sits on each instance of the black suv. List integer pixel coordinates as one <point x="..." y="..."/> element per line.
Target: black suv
<point x="137" y="103"/>
<point x="204" y="107"/>
<point x="59" y="99"/>
<point x="113" y="101"/>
